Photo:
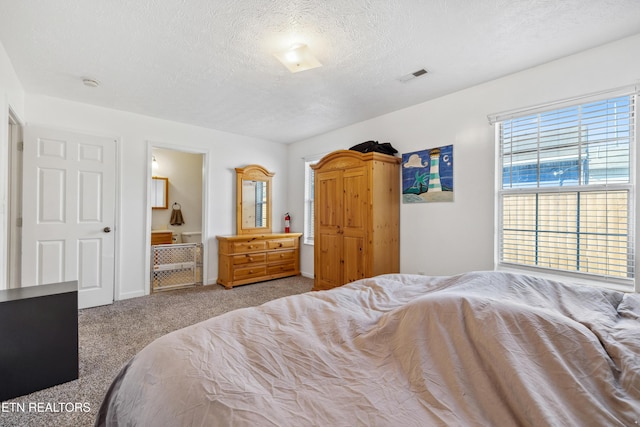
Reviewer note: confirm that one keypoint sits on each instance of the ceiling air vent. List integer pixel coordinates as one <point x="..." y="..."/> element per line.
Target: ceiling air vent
<point x="411" y="76"/>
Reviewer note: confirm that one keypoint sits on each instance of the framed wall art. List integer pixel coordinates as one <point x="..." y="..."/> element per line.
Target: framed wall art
<point x="427" y="175"/>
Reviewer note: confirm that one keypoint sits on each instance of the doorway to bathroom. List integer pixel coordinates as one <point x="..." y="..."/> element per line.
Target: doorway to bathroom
<point x="177" y="207"/>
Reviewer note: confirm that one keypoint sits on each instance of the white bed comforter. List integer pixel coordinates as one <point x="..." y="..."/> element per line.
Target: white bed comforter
<point x="397" y="350"/>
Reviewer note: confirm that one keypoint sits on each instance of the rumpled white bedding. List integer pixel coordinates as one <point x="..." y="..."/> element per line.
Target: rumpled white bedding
<point x="482" y="348"/>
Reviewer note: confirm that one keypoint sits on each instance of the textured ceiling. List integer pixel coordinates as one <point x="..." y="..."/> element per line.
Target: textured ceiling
<point x="211" y="64"/>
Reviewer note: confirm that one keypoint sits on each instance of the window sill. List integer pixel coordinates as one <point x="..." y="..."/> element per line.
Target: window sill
<point x="620" y="285"/>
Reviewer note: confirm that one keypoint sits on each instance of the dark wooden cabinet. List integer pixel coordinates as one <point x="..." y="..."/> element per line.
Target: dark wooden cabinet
<point x="38" y="338"/>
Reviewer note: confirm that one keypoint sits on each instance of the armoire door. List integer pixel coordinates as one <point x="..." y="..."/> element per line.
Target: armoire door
<point x="328" y="229"/>
<point x="354" y="224"/>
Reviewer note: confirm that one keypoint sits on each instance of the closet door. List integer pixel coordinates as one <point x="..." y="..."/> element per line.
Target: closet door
<point x="354" y="231"/>
<point x="69" y="207"/>
<point x="328" y="229"/>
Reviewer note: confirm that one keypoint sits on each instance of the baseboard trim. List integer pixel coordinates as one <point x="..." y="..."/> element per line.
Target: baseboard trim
<point x="130" y="295"/>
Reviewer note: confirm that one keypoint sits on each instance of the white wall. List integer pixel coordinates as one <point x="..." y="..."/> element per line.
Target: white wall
<point x="10" y="87"/>
<point x="450" y="238"/>
<point x="11" y="97"/>
<point x="226" y="152"/>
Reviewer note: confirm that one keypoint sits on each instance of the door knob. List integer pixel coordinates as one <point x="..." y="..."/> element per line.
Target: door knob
<point x="107" y="229"/>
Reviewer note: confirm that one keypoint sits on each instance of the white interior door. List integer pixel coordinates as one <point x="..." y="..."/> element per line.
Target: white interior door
<point x="69" y="212"/>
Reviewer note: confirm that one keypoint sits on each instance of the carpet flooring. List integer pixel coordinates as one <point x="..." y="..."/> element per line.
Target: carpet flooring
<point x="110" y="335"/>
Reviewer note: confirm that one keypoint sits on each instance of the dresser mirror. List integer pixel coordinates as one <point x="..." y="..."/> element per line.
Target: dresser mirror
<point x="159" y="193"/>
<point x="253" y="200"/>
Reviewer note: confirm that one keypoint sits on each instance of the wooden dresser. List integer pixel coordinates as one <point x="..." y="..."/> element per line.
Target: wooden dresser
<point x="251" y="258"/>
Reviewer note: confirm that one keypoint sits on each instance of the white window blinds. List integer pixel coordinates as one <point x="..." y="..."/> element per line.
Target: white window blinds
<point x="308" y="202"/>
<point x="566" y="196"/>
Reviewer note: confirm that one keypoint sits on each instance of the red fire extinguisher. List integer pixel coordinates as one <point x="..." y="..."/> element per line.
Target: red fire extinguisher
<point x="287" y="223"/>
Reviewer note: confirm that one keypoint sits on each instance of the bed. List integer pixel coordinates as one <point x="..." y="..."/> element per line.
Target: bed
<point x="482" y="348"/>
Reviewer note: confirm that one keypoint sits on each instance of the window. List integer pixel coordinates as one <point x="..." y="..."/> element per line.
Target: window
<point x="308" y="201"/>
<point x="566" y="193"/>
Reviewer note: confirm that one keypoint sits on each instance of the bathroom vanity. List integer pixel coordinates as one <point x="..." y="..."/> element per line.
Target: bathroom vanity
<point x="255" y="253"/>
<point x="161" y="237"/>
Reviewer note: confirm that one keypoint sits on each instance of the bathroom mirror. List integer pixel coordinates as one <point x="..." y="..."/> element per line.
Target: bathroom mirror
<point x="253" y="200"/>
<point x="159" y="193"/>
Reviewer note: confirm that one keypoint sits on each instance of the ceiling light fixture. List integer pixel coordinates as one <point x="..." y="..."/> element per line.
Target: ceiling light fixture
<point x="298" y="58"/>
<point x="90" y="82"/>
<point x="154" y="163"/>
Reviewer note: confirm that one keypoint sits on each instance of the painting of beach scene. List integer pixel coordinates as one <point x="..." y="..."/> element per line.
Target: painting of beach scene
<point x="427" y="175"/>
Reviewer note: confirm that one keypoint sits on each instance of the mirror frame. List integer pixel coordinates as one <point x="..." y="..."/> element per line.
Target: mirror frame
<point x="154" y="179"/>
<point x="252" y="173"/>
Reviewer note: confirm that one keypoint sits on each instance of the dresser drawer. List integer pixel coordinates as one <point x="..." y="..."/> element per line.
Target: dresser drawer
<point x="249" y="272"/>
<point x="281" y="243"/>
<point x="281" y="256"/>
<point x="253" y="258"/>
<point x="257" y="246"/>
<point x="281" y="268"/>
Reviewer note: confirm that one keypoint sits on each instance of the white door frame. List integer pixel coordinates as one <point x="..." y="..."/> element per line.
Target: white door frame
<point x="14" y="211"/>
<point x="205" y="206"/>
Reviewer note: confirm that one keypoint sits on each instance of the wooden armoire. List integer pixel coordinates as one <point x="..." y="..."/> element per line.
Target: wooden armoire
<point x="357" y="217"/>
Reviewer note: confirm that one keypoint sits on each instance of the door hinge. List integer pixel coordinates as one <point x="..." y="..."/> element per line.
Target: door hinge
<point x="18" y="222"/>
<point x="20" y="146"/>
